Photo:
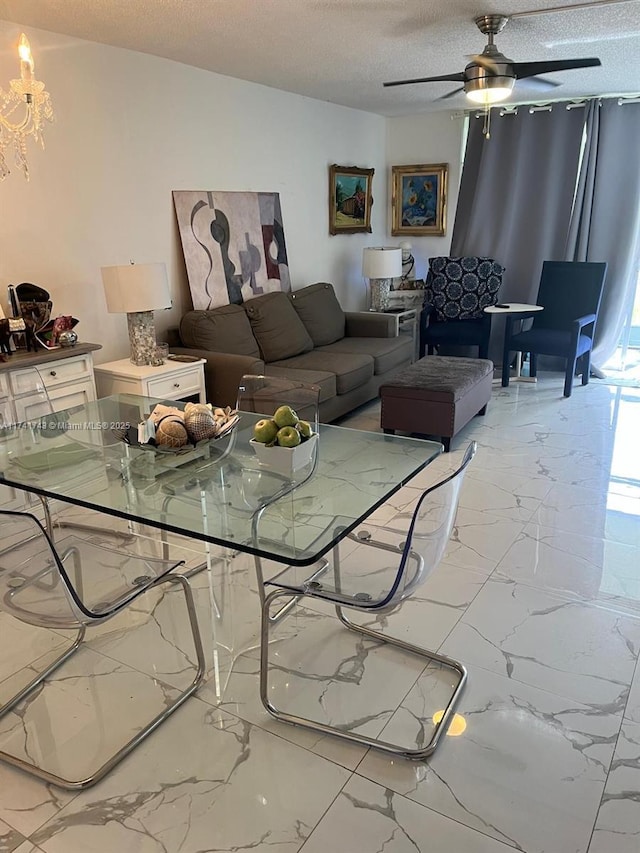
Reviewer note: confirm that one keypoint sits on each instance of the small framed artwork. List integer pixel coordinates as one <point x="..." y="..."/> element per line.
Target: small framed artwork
<point x="419" y="200"/>
<point x="350" y="200"/>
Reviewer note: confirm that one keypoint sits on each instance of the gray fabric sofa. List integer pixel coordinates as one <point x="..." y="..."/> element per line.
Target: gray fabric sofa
<point x="304" y="335"/>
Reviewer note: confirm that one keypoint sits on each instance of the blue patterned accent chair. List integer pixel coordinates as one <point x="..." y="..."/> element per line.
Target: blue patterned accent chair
<point x="457" y="291"/>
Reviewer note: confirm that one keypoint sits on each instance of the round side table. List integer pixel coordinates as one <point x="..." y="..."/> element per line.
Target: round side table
<point x="519" y="310"/>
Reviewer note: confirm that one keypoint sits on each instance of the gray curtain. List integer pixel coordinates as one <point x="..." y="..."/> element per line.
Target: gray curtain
<point x="605" y="225"/>
<point x="516" y="195"/>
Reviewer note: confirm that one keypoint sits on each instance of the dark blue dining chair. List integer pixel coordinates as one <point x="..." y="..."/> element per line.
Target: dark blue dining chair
<point x="570" y="293"/>
<point x="457" y="290"/>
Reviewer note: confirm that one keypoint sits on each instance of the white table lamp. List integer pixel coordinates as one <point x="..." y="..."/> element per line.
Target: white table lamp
<point x="137" y="290"/>
<point x="381" y="265"/>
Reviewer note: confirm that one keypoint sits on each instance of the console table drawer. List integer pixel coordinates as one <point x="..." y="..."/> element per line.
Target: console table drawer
<point x="174" y="387"/>
<point x="52" y="374"/>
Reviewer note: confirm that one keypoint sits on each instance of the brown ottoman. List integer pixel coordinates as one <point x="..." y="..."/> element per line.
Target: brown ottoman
<point x="437" y="395"/>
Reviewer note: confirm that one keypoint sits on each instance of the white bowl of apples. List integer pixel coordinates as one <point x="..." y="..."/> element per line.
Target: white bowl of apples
<point x="284" y="443"/>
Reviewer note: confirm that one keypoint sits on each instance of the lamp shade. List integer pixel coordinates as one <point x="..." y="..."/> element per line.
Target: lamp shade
<point x="382" y="262"/>
<point x="136" y="287"/>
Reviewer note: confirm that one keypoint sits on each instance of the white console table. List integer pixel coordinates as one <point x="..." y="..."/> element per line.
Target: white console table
<point x="66" y="373"/>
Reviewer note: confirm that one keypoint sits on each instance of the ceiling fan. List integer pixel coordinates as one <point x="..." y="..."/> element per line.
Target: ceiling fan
<point x="490" y="76"/>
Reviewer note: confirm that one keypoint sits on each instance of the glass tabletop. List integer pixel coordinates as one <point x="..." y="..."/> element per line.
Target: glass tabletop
<point x="217" y="491"/>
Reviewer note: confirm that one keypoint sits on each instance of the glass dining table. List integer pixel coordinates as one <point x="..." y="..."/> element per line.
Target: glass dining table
<point x="216" y="492"/>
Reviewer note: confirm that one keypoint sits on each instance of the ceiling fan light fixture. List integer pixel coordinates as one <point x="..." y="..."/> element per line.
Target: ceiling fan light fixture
<point x="489" y="90"/>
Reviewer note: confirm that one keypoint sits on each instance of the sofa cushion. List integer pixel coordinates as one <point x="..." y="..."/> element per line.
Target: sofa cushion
<point x="387" y="353"/>
<point x="351" y="371"/>
<point x="325" y="381"/>
<point x="277" y="328"/>
<point x="224" y="329"/>
<point x="320" y="311"/>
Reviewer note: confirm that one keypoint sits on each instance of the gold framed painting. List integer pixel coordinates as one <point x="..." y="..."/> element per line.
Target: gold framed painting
<point x="419" y="200"/>
<point x="350" y="200"/>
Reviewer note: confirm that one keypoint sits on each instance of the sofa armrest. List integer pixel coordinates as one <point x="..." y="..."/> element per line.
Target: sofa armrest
<point x="368" y="324"/>
<point x="223" y="372"/>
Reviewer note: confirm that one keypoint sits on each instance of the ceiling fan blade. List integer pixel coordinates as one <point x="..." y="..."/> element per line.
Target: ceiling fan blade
<point x="484" y="61"/>
<point x="540" y="84"/>
<point x="455" y="78"/>
<point x="450" y="94"/>
<point x="530" y="69"/>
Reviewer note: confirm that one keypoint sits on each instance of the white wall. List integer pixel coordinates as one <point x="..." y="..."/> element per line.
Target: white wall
<point x="130" y="128"/>
<point x="424" y="139"/>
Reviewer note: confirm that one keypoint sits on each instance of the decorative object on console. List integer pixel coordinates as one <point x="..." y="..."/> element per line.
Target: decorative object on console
<point x="419" y="200"/>
<point x="405" y="300"/>
<point x="49" y="335"/>
<point x="350" y="200"/>
<point x="380" y="265"/>
<point x="137" y="290"/>
<point x="161" y="354"/>
<point x="31" y="305"/>
<point x="408" y="263"/>
<point x="8" y="327"/>
<point x="233" y="245"/>
<point x="13" y="301"/>
<point x="68" y="338"/>
<point x="29" y="94"/>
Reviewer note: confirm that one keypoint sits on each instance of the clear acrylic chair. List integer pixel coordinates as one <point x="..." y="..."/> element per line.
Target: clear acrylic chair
<point x="73" y="585"/>
<point x="44" y="422"/>
<point x="263" y="395"/>
<point x="369" y="589"/>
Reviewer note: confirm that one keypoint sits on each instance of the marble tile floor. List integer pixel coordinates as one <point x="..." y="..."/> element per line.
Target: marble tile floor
<point x="538" y="594"/>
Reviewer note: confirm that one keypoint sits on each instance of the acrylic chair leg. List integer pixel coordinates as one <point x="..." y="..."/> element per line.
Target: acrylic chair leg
<point x="353" y="737"/>
<point x="50" y="524"/>
<point x="74" y="785"/>
<point x="323" y="565"/>
<point x="42" y="676"/>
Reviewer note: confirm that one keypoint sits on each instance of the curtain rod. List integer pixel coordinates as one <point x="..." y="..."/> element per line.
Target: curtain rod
<point x="542" y="106"/>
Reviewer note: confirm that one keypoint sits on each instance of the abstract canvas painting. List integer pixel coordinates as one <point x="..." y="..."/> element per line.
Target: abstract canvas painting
<point x="233" y="245"/>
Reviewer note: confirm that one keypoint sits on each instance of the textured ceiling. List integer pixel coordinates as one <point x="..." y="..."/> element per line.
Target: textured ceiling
<point x="342" y="50"/>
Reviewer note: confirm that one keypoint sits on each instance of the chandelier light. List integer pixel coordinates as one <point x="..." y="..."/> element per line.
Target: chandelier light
<point x="22" y="112"/>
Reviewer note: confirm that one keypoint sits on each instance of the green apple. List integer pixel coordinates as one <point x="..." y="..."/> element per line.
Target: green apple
<point x="288" y="436"/>
<point x="304" y="428"/>
<point x="285" y="417"/>
<point x="265" y="431"/>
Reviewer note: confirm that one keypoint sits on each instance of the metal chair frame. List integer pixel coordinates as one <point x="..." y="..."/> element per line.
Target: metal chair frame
<point x="75" y="591"/>
<point x="313" y="589"/>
